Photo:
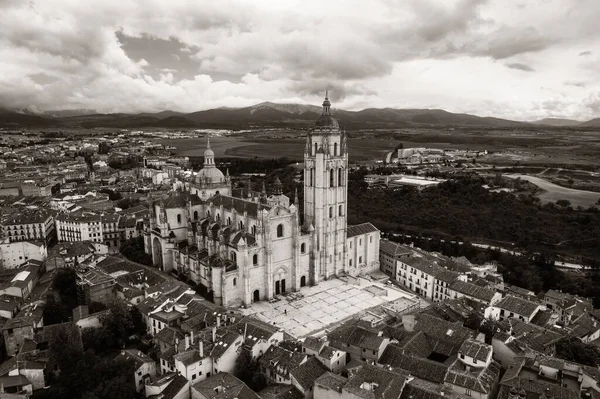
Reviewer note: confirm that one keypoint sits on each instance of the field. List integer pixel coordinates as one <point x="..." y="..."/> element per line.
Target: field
<point x="553" y="192"/>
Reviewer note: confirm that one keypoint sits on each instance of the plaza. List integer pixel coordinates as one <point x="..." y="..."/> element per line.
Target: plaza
<point x="313" y="309"/>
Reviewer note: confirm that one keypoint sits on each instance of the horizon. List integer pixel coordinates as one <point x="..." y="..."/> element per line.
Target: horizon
<point x="521" y="62"/>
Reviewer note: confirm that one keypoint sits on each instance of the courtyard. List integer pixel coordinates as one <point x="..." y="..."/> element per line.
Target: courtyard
<point x="331" y="302"/>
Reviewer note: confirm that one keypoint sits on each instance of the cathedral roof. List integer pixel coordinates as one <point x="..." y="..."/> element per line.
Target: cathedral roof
<point x="240" y="205"/>
<point x="360" y="229"/>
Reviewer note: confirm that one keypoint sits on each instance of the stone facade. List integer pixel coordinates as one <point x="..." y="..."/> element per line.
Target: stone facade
<point x="244" y="250"/>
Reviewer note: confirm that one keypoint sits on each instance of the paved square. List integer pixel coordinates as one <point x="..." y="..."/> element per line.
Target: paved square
<point x="332" y="302"/>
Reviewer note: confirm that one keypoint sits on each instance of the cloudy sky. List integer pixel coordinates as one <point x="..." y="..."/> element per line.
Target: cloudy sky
<point x="519" y="59"/>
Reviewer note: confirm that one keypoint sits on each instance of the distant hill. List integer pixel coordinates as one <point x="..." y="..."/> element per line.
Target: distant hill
<point x="557" y="122"/>
<point x="268" y="114"/>
<point x="591" y="123"/>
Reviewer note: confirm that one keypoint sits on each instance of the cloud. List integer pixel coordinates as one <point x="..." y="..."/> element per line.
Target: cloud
<point x="129" y="55"/>
<point x="520" y="67"/>
<point x="575" y="83"/>
<point x="584" y="53"/>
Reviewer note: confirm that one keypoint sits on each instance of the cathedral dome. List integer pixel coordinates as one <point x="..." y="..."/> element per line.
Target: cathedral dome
<point x="326" y="121"/>
<point x="211" y="175"/>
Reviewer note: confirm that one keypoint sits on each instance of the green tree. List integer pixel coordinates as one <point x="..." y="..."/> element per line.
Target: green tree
<point x="570" y="348"/>
<point x="248" y="370"/>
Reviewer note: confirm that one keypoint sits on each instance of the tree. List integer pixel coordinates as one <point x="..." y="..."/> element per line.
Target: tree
<point x="118" y="321"/>
<point x="571" y="348"/>
<point x="248" y="370"/>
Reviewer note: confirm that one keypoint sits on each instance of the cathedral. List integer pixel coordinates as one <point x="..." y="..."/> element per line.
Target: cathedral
<point x="249" y="249"/>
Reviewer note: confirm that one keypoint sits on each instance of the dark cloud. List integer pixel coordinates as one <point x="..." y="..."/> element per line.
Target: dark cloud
<point x="338" y="90"/>
<point x="575" y="83"/>
<point x="583" y="53"/>
<point x="520" y="67"/>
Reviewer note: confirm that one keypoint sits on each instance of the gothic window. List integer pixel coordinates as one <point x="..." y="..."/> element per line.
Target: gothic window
<point x="195" y="215"/>
<point x="350" y="262"/>
<point x="371" y="239"/>
<point x="255" y="259"/>
<point x="340" y="210"/>
<point x="315" y="149"/>
<point x="302" y="248"/>
<point x="330" y="212"/>
<point x="218" y="216"/>
<point x="241" y="225"/>
<point x="234" y="281"/>
<point x="178" y="218"/>
<point x="208" y="213"/>
<point x="331" y="178"/>
<point x="335" y="152"/>
<point x="233" y="256"/>
<point x="253" y="230"/>
<point x="311" y="176"/>
<point x="340" y="179"/>
<point x="228" y="221"/>
<point x="360" y="259"/>
<point x="360" y="242"/>
<point x="280" y="230"/>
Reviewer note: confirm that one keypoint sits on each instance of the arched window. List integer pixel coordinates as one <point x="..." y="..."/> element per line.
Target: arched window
<point x="253" y="230"/>
<point x="360" y="241"/>
<point x="331" y="178"/>
<point x="335" y="149"/>
<point x="280" y="230"/>
<point x="234" y="281"/>
<point x="241" y="225"/>
<point x="350" y="262"/>
<point x="315" y="149"/>
<point x="228" y="221"/>
<point x="255" y="259"/>
<point x="371" y="239"/>
<point x="340" y="178"/>
<point x="233" y="256"/>
<point x="179" y="218"/>
<point x="311" y="172"/>
<point x="340" y="210"/>
<point x="330" y="212"/>
<point x="195" y="215"/>
<point x="208" y="213"/>
<point x="302" y="248"/>
<point x="218" y="216"/>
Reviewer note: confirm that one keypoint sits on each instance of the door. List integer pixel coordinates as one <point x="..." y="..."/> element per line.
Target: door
<point x="256" y="296"/>
<point x="283" y="286"/>
<point x="302" y="281"/>
<point x="276" y="287"/>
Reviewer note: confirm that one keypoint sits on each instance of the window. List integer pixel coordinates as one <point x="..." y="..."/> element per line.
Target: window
<point x="228" y="221"/>
<point x="340" y="210"/>
<point x="233" y="256"/>
<point x="350" y="244"/>
<point x="370" y="238"/>
<point x="340" y="179"/>
<point x="208" y="213"/>
<point x="241" y="225"/>
<point x="253" y="230"/>
<point x="195" y="215"/>
<point x="359" y="259"/>
<point x="311" y="176"/>
<point x="331" y="178"/>
<point x="330" y="212"/>
<point x="315" y="148"/>
<point x="255" y="259"/>
<point x="335" y="152"/>
<point x="218" y="216"/>
<point x="468" y="392"/>
<point x="193" y="376"/>
<point x="234" y="281"/>
<point x="279" y="230"/>
<point x="350" y="262"/>
<point x="302" y="248"/>
<point x="178" y="218"/>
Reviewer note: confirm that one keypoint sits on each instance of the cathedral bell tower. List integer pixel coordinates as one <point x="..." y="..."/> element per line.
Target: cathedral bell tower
<point x="325" y="194"/>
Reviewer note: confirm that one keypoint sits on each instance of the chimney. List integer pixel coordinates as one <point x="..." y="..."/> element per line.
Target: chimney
<point x="214" y="334"/>
<point x="201" y="349"/>
<point x="192" y="337"/>
<point x="187" y="342"/>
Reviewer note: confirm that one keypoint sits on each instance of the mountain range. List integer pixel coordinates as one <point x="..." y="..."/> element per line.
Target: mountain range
<point x="267" y="114"/>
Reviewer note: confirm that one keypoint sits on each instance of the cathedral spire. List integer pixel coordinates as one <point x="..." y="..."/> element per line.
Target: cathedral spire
<point x="296" y="202"/>
<point x="278" y="190"/>
<point x="326" y="104"/>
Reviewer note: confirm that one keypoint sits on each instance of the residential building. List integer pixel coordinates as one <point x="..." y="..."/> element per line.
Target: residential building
<point x="14" y="254"/>
<point x="389" y="251"/>
<point x="28" y="225"/>
<point x="222" y="385"/>
<point x="359" y="341"/>
<point x="511" y="306"/>
<point x="144" y="367"/>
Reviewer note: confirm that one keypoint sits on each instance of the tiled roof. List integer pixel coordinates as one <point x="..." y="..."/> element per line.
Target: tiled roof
<point x="416" y="344"/>
<point x="331" y="381"/>
<point x="357" y="336"/>
<point x="360" y="229"/>
<point x="389" y="383"/>
<point x="223" y="343"/>
<point x="414" y="365"/>
<point x="393" y="249"/>
<point x="177" y="385"/>
<point x="308" y="372"/>
<point x="137" y="357"/>
<point x="276" y="357"/>
<point x="169" y="335"/>
<point x="473" y="290"/>
<point x="222" y="386"/>
<point x="280" y="391"/>
<point x="482" y="381"/>
<point x="188" y="357"/>
<point x="313" y="343"/>
<point x="442" y="331"/>
<point x="476" y="350"/>
<point x="517" y="305"/>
